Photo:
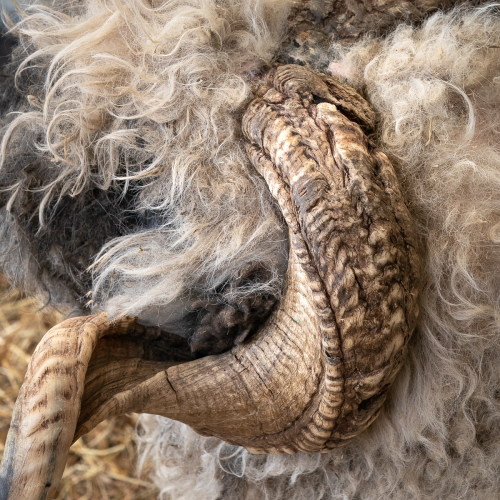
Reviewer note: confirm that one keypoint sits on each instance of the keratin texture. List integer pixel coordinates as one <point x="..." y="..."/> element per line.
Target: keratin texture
<point x="436" y="89"/>
<point x="124" y="153"/>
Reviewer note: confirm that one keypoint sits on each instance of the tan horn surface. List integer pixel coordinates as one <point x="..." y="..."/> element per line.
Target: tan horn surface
<point x="254" y="395"/>
<point x="317" y="372"/>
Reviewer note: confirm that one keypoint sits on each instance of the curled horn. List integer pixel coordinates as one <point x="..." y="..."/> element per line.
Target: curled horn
<point x="317" y="372"/>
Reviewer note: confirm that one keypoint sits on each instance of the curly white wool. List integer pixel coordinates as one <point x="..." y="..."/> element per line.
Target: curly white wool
<point x="145" y="97"/>
<point x="436" y="89"/>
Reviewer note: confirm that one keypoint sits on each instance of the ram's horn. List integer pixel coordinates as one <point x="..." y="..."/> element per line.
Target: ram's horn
<point x="317" y="372"/>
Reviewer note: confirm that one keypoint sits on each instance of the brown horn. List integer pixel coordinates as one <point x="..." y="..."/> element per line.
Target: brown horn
<point x="316" y="374"/>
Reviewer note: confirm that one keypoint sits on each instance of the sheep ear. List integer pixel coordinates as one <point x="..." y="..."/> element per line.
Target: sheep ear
<point x="316" y="373"/>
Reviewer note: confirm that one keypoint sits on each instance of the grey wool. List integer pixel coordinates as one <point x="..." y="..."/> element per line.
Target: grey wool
<point x="123" y="182"/>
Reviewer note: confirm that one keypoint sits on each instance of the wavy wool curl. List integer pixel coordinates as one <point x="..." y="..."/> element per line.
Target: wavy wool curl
<point x="437" y="91"/>
<point x="136" y="104"/>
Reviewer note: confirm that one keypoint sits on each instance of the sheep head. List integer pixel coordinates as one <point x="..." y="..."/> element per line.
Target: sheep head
<point x="316" y="372"/>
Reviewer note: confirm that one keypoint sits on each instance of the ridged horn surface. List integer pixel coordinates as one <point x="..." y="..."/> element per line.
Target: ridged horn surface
<point x="317" y="372"/>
